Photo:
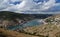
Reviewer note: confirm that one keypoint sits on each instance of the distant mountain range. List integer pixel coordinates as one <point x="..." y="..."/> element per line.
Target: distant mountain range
<point x="7" y="14"/>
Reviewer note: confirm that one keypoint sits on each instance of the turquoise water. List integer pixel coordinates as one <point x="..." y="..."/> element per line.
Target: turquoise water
<point x="28" y="24"/>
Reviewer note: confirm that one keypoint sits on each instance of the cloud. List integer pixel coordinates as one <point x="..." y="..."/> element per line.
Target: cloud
<point x="54" y="8"/>
<point x="10" y="6"/>
<point x="48" y="4"/>
<point x="29" y="5"/>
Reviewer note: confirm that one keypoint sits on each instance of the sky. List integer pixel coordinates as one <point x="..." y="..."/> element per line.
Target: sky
<point x="57" y="1"/>
<point x="31" y="6"/>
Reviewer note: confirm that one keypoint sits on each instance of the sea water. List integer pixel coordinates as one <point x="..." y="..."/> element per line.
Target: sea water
<point x="28" y="24"/>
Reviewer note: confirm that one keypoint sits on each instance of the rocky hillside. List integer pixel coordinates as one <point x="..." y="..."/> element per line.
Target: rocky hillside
<point x="12" y="19"/>
<point x="51" y="29"/>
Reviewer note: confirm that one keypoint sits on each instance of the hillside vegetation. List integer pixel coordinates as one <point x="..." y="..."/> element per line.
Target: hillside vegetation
<point x="9" y="33"/>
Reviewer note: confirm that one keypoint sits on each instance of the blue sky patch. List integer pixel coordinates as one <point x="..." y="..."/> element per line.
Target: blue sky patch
<point x="37" y="1"/>
<point x="16" y="2"/>
<point x="57" y="1"/>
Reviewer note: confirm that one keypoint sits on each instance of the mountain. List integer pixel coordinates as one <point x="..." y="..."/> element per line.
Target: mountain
<point x="50" y="29"/>
<point x="11" y="19"/>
